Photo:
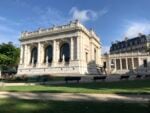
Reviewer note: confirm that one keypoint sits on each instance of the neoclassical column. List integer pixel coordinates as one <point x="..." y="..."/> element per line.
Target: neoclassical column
<point x="120" y="64"/>
<point x="42" y="52"/>
<point x="127" y="63"/>
<point x="98" y="55"/>
<point x="54" y="52"/>
<point x="81" y="48"/>
<point x="132" y="63"/>
<point x="25" y="54"/>
<point x="140" y="61"/>
<point x="78" y="47"/>
<point x="21" y="54"/>
<point x="39" y="55"/>
<point x="109" y="64"/>
<point x="72" y="48"/>
<point x="28" y="54"/>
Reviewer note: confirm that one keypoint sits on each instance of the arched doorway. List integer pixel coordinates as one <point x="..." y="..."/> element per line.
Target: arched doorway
<point x="48" y="56"/>
<point x="34" y="56"/>
<point x="65" y="52"/>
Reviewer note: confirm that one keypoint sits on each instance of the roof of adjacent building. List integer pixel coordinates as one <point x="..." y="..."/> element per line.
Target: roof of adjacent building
<point x="141" y="39"/>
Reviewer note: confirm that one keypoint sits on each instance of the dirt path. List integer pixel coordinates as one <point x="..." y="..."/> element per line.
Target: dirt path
<point x="76" y="97"/>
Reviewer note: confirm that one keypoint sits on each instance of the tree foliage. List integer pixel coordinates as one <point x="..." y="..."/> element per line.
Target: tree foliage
<point x="9" y="54"/>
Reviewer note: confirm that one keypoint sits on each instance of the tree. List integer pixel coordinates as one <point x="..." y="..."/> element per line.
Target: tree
<point x="9" y="55"/>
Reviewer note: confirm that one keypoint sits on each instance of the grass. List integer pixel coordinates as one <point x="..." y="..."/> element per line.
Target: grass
<point x="121" y="87"/>
<point x="37" y="106"/>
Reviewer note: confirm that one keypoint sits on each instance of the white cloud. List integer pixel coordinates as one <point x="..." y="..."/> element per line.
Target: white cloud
<point x="86" y="14"/>
<point x="50" y="16"/>
<point x="83" y="15"/>
<point x="103" y="12"/>
<point x="43" y="17"/>
<point x="134" y="28"/>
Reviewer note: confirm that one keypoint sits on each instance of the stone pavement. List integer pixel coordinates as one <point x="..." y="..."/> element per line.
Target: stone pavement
<point x="76" y="97"/>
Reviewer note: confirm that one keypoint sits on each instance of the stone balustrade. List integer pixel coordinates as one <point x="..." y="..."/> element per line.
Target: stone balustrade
<point x="55" y="29"/>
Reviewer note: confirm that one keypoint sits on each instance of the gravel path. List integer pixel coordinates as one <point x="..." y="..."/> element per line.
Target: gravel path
<point x="76" y="97"/>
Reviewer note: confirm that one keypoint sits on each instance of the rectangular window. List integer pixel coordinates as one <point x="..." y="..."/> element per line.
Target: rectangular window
<point x="136" y="62"/>
<point x="130" y="63"/>
<point x="145" y="63"/>
<point x="112" y="64"/>
<point x="118" y="64"/>
<point x="123" y="63"/>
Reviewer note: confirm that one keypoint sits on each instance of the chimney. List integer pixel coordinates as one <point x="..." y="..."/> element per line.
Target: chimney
<point x="140" y="34"/>
<point x="126" y="38"/>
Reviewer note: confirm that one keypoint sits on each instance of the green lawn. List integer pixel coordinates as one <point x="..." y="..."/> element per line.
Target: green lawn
<point x="122" y="87"/>
<point x="36" y="106"/>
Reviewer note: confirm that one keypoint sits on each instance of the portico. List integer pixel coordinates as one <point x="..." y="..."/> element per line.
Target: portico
<point x="59" y="50"/>
<point x="127" y="63"/>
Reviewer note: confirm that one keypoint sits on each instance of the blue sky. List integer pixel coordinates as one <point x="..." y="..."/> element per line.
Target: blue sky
<point x="111" y="19"/>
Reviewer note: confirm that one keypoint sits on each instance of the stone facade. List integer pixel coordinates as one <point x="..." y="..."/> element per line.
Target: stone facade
<point x="67" y="49"/>
<point x="129" y="56"/>
<point x="127" y="63"/>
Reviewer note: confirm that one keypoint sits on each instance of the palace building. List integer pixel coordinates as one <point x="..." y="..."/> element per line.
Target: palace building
<point x="69" y="49"/>
<point x="72" y="49"/>
<point x="129" y="56"/>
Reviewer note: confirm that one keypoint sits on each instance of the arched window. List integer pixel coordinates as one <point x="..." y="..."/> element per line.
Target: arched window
<point x="65" y="52"/>
<point x="34" y="56"/>
<point x="48" y="57"/>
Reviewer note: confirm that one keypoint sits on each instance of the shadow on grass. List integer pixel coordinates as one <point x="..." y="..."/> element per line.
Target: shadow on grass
<point x="36" y="106"/>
